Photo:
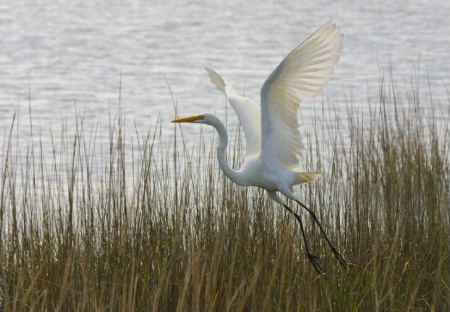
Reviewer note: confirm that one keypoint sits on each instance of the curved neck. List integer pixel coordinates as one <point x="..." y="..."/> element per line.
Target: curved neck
<point x="233" y="175"/>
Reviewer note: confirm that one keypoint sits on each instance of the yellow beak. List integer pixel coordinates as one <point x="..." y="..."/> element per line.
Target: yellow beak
<point x="188" y="119"/>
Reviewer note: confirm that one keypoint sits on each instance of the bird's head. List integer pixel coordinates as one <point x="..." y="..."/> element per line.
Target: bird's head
<point x="202" y="118"/>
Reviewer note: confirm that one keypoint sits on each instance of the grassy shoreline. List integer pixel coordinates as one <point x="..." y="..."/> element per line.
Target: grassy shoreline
<point x="173" y="234"/>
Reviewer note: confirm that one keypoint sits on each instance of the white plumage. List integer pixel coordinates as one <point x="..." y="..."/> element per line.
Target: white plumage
<point x="273" y="143"/>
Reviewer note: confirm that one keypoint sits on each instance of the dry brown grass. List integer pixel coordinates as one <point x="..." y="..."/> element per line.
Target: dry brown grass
<point x="170" y="233"/>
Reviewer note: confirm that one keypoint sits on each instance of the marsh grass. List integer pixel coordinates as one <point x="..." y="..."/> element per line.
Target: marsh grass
<point x="144" y="226"/>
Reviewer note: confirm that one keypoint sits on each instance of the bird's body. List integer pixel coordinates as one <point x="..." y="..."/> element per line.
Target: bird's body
<point x="273" y="142"/>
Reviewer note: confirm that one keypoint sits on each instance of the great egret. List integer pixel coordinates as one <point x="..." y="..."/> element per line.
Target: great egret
<point x="273" y="143"/>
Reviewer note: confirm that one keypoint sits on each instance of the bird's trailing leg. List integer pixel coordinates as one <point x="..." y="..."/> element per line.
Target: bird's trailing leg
<point x="313" y="258"/>
<point x="333" y="249"/>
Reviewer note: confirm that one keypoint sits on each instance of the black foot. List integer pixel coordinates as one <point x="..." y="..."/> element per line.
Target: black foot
<point x="313" y="259"/>
<point x="339" y="257"/>
<point x="333" y="249"/>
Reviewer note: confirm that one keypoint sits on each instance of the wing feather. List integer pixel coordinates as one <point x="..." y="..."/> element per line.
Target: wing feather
<point x="248" y="112"/>
<point x="302" y="74"/>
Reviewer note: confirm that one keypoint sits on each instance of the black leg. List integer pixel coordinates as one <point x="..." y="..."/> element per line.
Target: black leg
<point x="333" y="249"/>
<point x="313" y="258"/>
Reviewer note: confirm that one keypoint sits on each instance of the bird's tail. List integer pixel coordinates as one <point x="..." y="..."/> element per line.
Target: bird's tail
<point x="306" y="177"/>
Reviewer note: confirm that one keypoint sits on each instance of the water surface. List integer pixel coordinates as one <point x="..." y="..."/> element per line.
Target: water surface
<point x="61" y="56"/>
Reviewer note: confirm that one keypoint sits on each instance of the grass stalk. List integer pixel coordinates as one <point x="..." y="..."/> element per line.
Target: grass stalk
<point x="148" y="226"/>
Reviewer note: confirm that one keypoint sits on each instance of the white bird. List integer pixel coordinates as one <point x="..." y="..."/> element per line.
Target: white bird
<point x="273" y="142"/>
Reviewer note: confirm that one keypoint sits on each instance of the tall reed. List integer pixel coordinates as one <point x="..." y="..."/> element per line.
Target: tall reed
<point x="147" y="226"/>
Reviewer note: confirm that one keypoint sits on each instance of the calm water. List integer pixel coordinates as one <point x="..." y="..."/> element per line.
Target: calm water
<point x="62" y="56"/>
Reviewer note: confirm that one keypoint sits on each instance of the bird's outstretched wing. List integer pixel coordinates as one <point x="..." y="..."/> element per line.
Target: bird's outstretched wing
<point x="302" y="74"/>
<point x="248" y="112"/>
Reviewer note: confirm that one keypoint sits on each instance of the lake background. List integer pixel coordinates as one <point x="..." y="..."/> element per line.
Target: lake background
<point x="58" y="57"/>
